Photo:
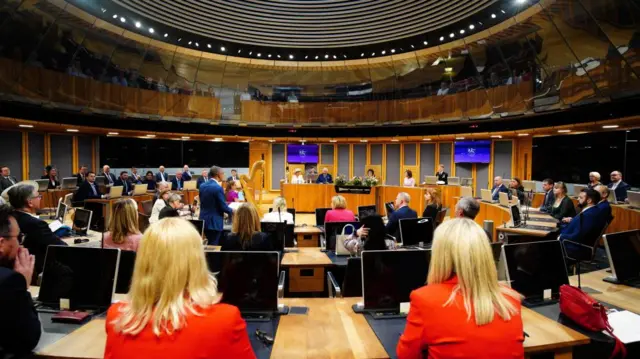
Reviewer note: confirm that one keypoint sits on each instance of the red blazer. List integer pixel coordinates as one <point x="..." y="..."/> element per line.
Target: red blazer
<point x="445" y="332"/>
<point x="339" y="215"/>
<point x="220" y="332"/>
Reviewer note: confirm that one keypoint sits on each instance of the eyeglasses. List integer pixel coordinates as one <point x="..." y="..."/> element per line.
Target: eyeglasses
<point x="19" y="237"/>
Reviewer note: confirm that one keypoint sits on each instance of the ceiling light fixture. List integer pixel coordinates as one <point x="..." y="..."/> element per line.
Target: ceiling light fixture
<point x="459" y="138"/>
<point x="151" y="136"/>
<point x="523" y="134"/>
<point x="493" y="16"/>
<point x="185" y="137"/>
<point x="362" y="54"/>
<point x="259" y="54"/>
<point x="113" y="133"/>
<point x="451" y="35"/>
<point x="564" y="131"/>
<point x="425" y="42"/>
<point x="72" y="130"/>
<point x="395" y="140"/>
<point x="383" y="52"/>
<point x="363" y="140"/>
<point x="223" y="49"/>
<point x="151" y="30"/>
<point x="393" y="51"/>
<point x="138" y="24"/>
<point x="333" y="141"/>
<point x="269" y="55"/>
<point x="209" y="45"/>
<point x="122" y="19"/>
<point x="502" y="11"/>
<point x="190" y="42"/>
<point x="278" y="56"/>
<point x="290" y="57"/>
<point x="316" y="57"/>
<point x="496" y="136"/>
<point x="115" y="16"/>
<point x="272" y="140"/>
<point x="197" y="44"/>
<point x="165" y="35"/>
<point x="373" y="54"/>
<point x="448" y="69"/>
<point x="610" y="126"/>
<point x="462" y="31"/>
<point x="217" y="139"/>
<point x="26" y="126"/>
<point x="335" y="57"/>
<point x="426" y="139"/>
<point x="306" y="57"/>
<point x="441" y="38"/>
<point x="326" y="56"/>
<point x="472" y="26"/>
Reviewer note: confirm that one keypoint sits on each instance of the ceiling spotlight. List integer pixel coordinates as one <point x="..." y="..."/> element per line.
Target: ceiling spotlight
<point x="185" y="137"/>
<point x="493" y="16"/>
<point x="290" y="57"/>
<point x="383" y="52"/>
<point x="448" y="69"/>
<point x="502" y="11"/>
<point x="115" y="16"/>
<point x="278" y="56"/>
<point x="395" y="140"/>
<point x="239" y="51"/>
<point x="306" y="57"/>
<point x="452" y="35"/>
<point x="250" y="52"/>
<point x="138" y="24"/>
<point x="441" y="38"/>
<point x="412" y="47"/>
<point x="521" y="1"/>
<point x="496" y="136"/>
<point x="151" y="136"/>
<point x="335" y="57"/>
<point x="223" y="49"/>
<point x="113" y="133"/>
<point x="259" y="54"/>
<point x="272" y="140"/>
<point x="122" y="19"/>
<point x="373" y="54"/>
<point x="197" y="45"/>
<point x="179" y="39"/>
<point x="462" y="31"/>
<point x="269" y="55"/>
<point x="316" y="57"/>
<point x="523" y="134"/>
<point x="72" y="130"/>
<point x="326" y="56"/>
<point x="165" y="35"/>
<point x="26" y="126"/>
<point x="426" y="139"/>
<point x="345" y="56"/>
<point x="363" y="141"/>
<point x="426" y="43"/>
<point x="472" y="26"/>
<point x="610" y="126"/>
<point x="393" y="51"/>
<point x="333" y="141"/>
<point x="151" y="30"/>
<point x="459" y="138"/>
<point x="564" y="131"/>
<point x="217" y="139"/>
<point x="190" y="42"/>
<point x="362" y="54"/>
<point x="209" y="45"/>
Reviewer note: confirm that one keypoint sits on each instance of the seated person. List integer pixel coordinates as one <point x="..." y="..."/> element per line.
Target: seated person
<point x="279" y="212"/>
<point x="174" y="203"/>
<point x="594" y="180"/>
<point x="433" y="204"/>
<point x="409" y="181"/>
<point x="159" y="205"/>
<point x="498" y="187"/>
<point x="177" y="183"/>
<point x="204" y="178"/>
<point x="20" y="330"/>
<point x="245" y="232"/>
<point x="371" y="236"/>
<point x="150" y="181"/>
<point x="618" y="186"/>
<point x="173" y="309"/>
<point x="231" y="191"/>
<point x="563" y="205"/>
<point x="123" y="181"/>
<point x="123" y="226"/>
<point x="586" y="226"/>
<point x="339" y="211"/>
<point x="604" y="206"/>
<point x="516" y="185"/>
<point x="463" y="311"/>
<point x="186" y="174"/>
<point x="324" y="177"/>
<point x="402" y="211"/>
<point x="297" y="177"/>
<point x="87" y="190"/>
<point x="549" y="200"/>
<point x="52" y="176"/>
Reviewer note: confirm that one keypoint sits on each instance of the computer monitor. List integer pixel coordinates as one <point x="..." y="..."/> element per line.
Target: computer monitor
<point x="125" y="271"/>
<point x="466" y="191"/>
<point x="366" y="211"/>
<point x="389" y="208"/>
<point x="43" y="184"/>
<point x="281" y="234"/>
<point x="534" y="267"/>
<point x="248" y="280"/>
<point x="388" y="277"/>
<point x="623" y="251"/>
<point x="97" y="217"/>
<point x="85" y="276"/>
<point x="332" y="229"/>
<point x="61" y="211"/>
<point x="69" y="183"/>
<point x="320" y="214"/>
<point x="189" y="185"/>
<point x="515" y="216"/>
<point x="82" y="221"/>
<point x="634" y="199"/>
<point x="199" y="225"/>
<point x="416" y="230"/>
<point x="431" y="179"/>
<point x="115" y="192"/>
<point x="140" y="189"/>
<point x="454" y="181"/>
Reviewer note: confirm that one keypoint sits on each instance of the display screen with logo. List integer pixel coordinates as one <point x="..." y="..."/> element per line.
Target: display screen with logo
<point x="302" y="153"/>
<point x="472" y="152"/>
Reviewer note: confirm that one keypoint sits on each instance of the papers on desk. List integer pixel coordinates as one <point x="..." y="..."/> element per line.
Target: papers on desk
<point x="55" y="225"/>
<point x="235" y="205"/>
<point x="625" y="326"/>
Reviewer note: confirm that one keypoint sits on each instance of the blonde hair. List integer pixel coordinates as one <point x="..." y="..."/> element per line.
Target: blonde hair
<point x="460" y="247"/>
<point x="596" y="175"/>
<point x="246" y="222"/>
<point x="279" y="202"/>
<point x="170" y="280"/>
<point x="124" y="220"/>
<point x="338" y="202"/>
<point x="435" y="197"/>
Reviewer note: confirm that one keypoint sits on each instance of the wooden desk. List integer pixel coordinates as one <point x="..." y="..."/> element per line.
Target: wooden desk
<point x="308" y="236"/>
<point x="108" y="202"/>
<point x="51" y="197"/>
<point x="306" y="269"/>
<point x="308" y="197"/>
<point x="619" y="295"/>
<point x="501" y="215"/>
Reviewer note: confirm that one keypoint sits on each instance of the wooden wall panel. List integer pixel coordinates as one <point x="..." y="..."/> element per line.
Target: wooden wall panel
<point x="523" y="157"/>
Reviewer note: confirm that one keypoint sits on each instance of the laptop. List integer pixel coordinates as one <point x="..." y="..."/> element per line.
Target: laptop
<point x="189" y="186"/>
<point x="320" y="214"/>
<point x="82" y="221"/>
<point x="577" y="188"/>
<point x="332" y="229"/>
<point x="388" y="277"/>
<point x="536" y="267"/>
<point x="612" y="196"/>
<point x="623" y="251"/>
<point x="69" y="183"/>
<point x="249" y="280"/>
<point x="466" y="181"/>
<point x="634" y="199"/>
<point x="61" y="211"/>
<point x="516" y="219"/>
<point x="43" y="184"/>
<point x="366" y="211"/>
<point x="431" y="179"/>
<point x="503" y="199"/>
<point x="115" y="192"/>
<point x="466" y="192"/>
<point x="84" y="276"/>
<point x="529" y="186"/>
<point x="139" y="189"/>
<point x="454" y="181"/>
<point x="486" y="196"/>
<point x="416" y="232"/>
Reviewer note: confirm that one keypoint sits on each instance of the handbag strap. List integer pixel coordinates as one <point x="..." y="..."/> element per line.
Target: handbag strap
<point x="353" y="229"/>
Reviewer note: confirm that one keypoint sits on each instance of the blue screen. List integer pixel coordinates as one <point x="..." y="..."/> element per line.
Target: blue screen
<point x="302" y="153"/>
<point x="472" y="152"/>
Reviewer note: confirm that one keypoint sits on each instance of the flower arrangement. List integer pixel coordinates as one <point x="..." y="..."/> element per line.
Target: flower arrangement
<point x="370" y="181"/>
<point x="341" y="180"/>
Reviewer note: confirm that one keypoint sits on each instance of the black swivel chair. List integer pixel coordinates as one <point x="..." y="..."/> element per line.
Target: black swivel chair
<point x="440" y="217"/>
<point x="586" y="249"/>
<point x="352" y="283"/>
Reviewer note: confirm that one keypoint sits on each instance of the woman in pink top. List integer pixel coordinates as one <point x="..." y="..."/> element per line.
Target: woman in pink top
<point x="339" y="211"/>
<point x="123" y="227"/>
<point x="231" y="193"/>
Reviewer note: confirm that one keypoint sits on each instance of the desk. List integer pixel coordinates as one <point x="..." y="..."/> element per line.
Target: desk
<point x="308" y="236"/>
<point x="501" y="215"/>
<point x="51" y="197"/>
<point x="110" y="201"/>
<point x="619" y="295"/>
<point x="306" y="269"/>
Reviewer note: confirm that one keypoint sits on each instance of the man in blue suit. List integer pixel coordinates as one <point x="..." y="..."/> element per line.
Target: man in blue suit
<point x="325" y="177"/>
<point x="213" y="205"/>
<point x="618" y="186"/>
<point x="203" y="179"/>
<point x="124" y="181"/>
<point x="498" y="187"/>
<point x="549" y="197"/>
<point x="604" y="206"/>
<point x="161" y="176"/>
<point x="586" y="226"/>
<point x="402" y="211"/>
<point x="177" y="182"/>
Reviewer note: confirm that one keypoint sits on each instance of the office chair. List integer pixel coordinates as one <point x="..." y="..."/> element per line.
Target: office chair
<point x="440" y="217"/>
<point x="143" y="221"/>
<point x="586" y="251"/>
<point x="352" y="283"/>
<point x="147" y="207"/>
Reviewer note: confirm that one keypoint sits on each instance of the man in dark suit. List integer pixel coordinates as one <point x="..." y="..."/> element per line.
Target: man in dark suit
<point x="161" y="176"/>
<point x="549" y="197"/>
<point x="213" y="205"/>
<point x="87" y="190"/>
<point x="498" y="187"/>
<point x="81" y="176"/>
<point x="203" y="179"/>
<point x="604" y="206"/>
<point x="6" y="180"/>
<point x="442" y="175"/>
<point x="586" y="226"/>
<point x="25" y="199"/>
<point x="618" y="186"/>
<point x="20" y="330"/>
<point x="123" y="181"/>
<point x="402" y="211"/>
<point x="186" y="174"/>
<point x="234" y="176"/>
<point x="109" y="178"/>
<point x="177" y="183"/>
<point x="135" y="177"/>
<point x="324" y="177"/>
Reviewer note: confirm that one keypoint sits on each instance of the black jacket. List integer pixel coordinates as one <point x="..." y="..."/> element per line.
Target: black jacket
<point x="52" y="184"/>
<point x="37" y="238"/>
<point x="431" y="211"/>
<point x="393" y="225"/>
<point x="85" y="192"/>
<point x="106" y="180"/>
<point x="127" y="186"/>
<point x="444" y="176"/>
<point x="565" y="209"/>
<point x="6" y="183"/>
<point x="168" y="211"/>
<point x="80" y="179"/>
<point x="259" y="242"/>
<point x="20" y="330"/>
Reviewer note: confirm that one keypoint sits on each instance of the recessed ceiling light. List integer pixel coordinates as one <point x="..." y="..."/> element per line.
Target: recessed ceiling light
<point x="115" y="16"/>
<point x="493" y="16"/>
<point x="523" y="134"/>
<point x="426" y="139"/>
<point x="272" y="140"/>
<point x="393" y="51"/>
<point x="303" y="141"/>
<point x="246" y="141"/>
<point x="362" y="54"/>
<point x="563" y="131"/>
<point x="122" y="19"/>
<point x="373" y="54"/>
<point x="306" y="57"/>
<point x="269" y="56"/>
<point x="179" y="39"/>
<point x="412" y="47"/>
<point x="197" y="44"/>
<point x="151" y="30"/>
<point x="472" y="26"/>
<point x="72" y="130"/>
<point x="395" y="140"/>
<point x="190" y="42"/>
<point x="345" y="56"/>
<point x="151" y="136"/>
<point x="335" y="57"/>
<point x="290" y="57"/>
<point x="138" y="24"/>
<point x="462" y="31"/>
<point x="326" y="56"/>
<point x="223" y="49"/>
<point x="610" y="126"/>
<point x="496" y="136"/>
<point x="452" y="35"/>
<point x="250" y="52"/>
<point x="113" y="133"/>
<point x="185" y="137"/>
<point x="521" y="1"/>
<point x="459" y="138"/>
<point x="259" y="54"/>
<point x="333" y="141"/>
<point x="502" y="11"/>
<point x="316" y="57"/>
<point x="363" y="141"/>
<point x="26" y="126"/>
<point x="383" y="52"/>
<point x="165" y="35"/>
<point x="217" y="139"/>
<point x="425" y="42"/>
<point x="209" y="45"/>
<point x="441" y="38"/>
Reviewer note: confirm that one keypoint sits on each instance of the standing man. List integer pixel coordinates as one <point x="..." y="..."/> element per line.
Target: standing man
<point x="234" y="176"/>
<point x="618" y="186"/>
<point x="135" y="177"/>
<point x="549" y="197"/>
<point x="82" y="175"/>
<point x="213" y="205"/>
<point x="402" y="211"/>
<point x="161" y="176"/>
<point x="6" y="181"/>
<point x="109" y="178"/>
<point x="177" y="183"/>
<point x="325" y="177"/>
<point x="203" y="179"/>
<point x="20" y="330"/>
<point x="87" y="190"/>
<point x="186" y="174"/>
<point x="123" y="181"/>
<point x="498" y="187"/>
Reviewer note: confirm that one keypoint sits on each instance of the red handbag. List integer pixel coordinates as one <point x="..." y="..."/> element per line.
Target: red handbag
<point x="588" y="313"/>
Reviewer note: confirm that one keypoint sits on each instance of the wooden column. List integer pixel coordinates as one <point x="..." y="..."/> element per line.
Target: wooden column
<point x="25" y="156"/>
<point x="523" y="155"/>
<point x="74" y="153"/>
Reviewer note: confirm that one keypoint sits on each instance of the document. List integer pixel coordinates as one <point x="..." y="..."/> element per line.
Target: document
<point x="625" y="326"/>
<point x="55" y="225"/>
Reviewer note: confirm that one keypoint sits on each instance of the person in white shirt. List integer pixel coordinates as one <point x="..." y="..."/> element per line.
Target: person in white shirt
<point x="279" y="212"/>
<point x="161" y="202"/>
<point x="444" y="89"/>
<point x="409" y="181"/>
<point x="297" y="177"/>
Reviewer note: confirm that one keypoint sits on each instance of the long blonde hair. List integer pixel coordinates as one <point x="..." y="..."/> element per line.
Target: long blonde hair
<point x="124" y="220"/>
<point x="460" y="247"/>
<point x="170" y="280"/>
<point x="246" y="222"/>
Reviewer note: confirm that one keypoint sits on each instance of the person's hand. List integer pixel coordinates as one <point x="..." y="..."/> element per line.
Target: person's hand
<point x="24" y="264"/>
<point x="362" y="232"/>
<point x="567" y="219"/>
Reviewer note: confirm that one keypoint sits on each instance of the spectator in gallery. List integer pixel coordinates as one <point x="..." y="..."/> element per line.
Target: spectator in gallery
<point x="119" y="79"/>
<point x="594" y="180"/>
<point x="161" y="86"/>
<point x="444" y="89"/>
<point x="231" y="192"/>
<point x="150" y="181"/>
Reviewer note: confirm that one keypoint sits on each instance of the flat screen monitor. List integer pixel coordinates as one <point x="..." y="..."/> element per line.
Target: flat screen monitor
<point x="199" y="225"/>
<point x="85" y="276"/>
<point x="366" y="211"/>
<point x="248" y="280"/>
<point x="321" y="213"/>
<point x="623" y="251"/>
<point x="82" y="221"/>
<point x="97" y="218"/>
<point x="280" y="234"/>
<point x="515" y="216"/>
<point x="534" y="267"/>
<point x="332" y="229"/>
<point x="388" y="277"/>
<point x="61" y="211"/>
<point x="416" y="230"/>
<point x="302" y="153"/>
<point x="125" y="271"/>
<point x="472" y="152"/>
